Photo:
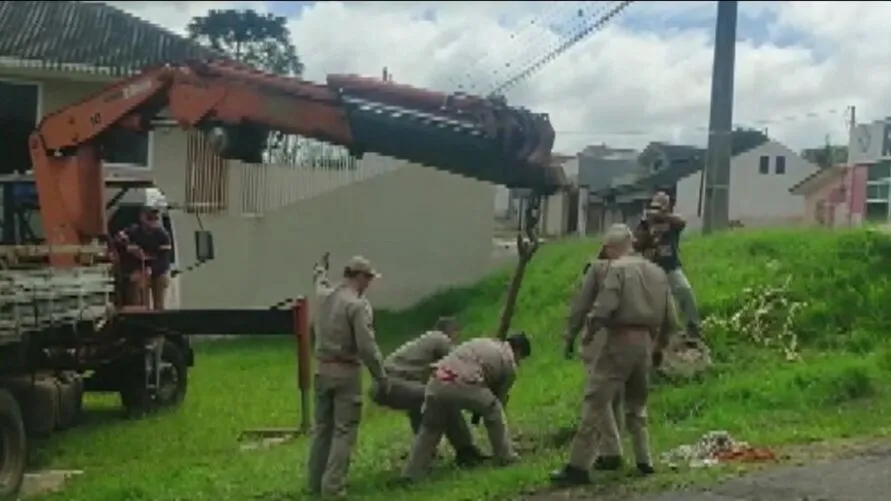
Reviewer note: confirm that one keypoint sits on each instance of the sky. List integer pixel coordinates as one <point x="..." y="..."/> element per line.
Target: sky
<point x="644" y="76"/>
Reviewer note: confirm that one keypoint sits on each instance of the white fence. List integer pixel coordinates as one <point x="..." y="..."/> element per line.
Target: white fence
<point x="296" y="170"/>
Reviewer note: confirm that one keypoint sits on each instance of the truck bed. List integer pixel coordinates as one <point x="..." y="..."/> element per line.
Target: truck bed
<point x="35" y="297"/>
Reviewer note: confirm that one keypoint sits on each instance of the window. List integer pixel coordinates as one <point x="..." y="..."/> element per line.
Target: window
<point x="877" y="211"/>
<point x="126" y="147"/>
<point x="879" y="171"/>
<point x="780" y="167"/>
<point x="877" y="191"/>
<point x="18" y="116"/>
<point x="207" y="176"/>
<point x="764" y="165"/>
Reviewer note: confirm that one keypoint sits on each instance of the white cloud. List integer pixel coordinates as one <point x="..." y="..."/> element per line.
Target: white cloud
<point x="824" y="55"/>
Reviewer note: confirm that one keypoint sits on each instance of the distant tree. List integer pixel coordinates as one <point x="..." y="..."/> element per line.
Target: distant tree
<point x="744" y="139"/>
<point x="264" y="42"/>
<point x="261" y="40"/>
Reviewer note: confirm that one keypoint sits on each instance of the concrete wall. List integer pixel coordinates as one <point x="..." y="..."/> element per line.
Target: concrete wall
<point x="755" y="199"/>
<point x="420" y="238"/>
<point x="555" y="214"/>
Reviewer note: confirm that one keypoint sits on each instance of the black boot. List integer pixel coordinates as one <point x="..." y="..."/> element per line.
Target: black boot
<point x="569" y="476"/>
<point x="608" y="463"/>
<point x="645" y="469"/>
<point x="470" y="456"/>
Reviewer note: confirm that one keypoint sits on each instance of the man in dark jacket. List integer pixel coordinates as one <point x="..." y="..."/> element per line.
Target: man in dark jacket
<point x="145" y="261"/>
<point x="657" y="237"/>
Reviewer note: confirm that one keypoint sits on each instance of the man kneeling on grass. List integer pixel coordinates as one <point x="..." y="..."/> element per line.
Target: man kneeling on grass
<point x="476" y="376"/>
<point x="408" y="369"/>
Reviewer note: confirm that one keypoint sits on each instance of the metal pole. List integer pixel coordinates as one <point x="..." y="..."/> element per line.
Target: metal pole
<point x="717" y="184"/>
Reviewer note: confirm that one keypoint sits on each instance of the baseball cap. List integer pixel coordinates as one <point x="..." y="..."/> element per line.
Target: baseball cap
<point x="617" y="234"/>
<point x="359" y="264"/>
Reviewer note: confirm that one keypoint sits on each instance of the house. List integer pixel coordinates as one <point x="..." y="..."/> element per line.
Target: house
<point x="760" y="179"/>
<point x="761" y="173"/>
<point x="270" y="221"/>
<point x="869" y="154"/>
<point x="592" y="168"/>
<point x="833" y="196"/>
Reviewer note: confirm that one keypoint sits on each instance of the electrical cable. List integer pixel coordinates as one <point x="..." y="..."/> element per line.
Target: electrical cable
<point x="464" y="81"/>
<point x="588" y="30"/>
<point x="579" y="20"/>
<point x="808" y="115"/>
<point x="574" y="12"/>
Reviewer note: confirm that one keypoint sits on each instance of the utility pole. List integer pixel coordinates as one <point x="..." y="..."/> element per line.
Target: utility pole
<point x="717" y="170"/>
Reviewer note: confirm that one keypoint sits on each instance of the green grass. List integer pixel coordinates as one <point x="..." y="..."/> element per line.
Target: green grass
<point x="840" y="388"/>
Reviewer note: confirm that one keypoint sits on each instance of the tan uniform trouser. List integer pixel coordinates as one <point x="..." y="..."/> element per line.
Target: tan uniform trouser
<point x="623" y="365"/>
<point x="338" y="410"/>
<point x="443" y="404"/>
<point x="611" y="440"/>
<point x="155" y="285"/>
<point x="408" y="396"/>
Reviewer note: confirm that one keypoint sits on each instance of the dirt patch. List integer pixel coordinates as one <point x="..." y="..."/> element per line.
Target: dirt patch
<point x="45" y="482"/>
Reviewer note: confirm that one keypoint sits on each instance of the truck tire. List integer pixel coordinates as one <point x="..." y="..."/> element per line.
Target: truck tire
<point x="174" y="376"/>
<point x="42" y="408"/>
<point x="69" y="403"/>
<point x="13" y="447"/>
<point x="139" y="401"/>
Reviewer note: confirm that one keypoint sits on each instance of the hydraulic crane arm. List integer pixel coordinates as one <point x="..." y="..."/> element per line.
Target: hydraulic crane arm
<point x="238" y="107"/>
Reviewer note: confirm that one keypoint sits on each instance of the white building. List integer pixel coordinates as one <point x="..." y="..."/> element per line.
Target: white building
<point x="760" y="179"/>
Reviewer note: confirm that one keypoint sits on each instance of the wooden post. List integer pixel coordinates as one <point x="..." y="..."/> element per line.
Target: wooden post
<point x="304" y="359"/>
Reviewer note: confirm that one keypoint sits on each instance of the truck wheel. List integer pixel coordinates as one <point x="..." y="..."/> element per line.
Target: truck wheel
<point x="42" y="407"/>
<point x="13" y="448"/>
<point x="70" y="403"/>
<point x="174" y="376"/>
<point x="139" y="401"/>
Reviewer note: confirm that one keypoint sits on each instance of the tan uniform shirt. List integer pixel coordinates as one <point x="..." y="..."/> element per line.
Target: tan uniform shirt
<point x="344" y="330"/>
<point x="584" y="298"/>
<point x="635" y="293"/>
<point x="484" y="361"/>
<point x="413" y="360"/>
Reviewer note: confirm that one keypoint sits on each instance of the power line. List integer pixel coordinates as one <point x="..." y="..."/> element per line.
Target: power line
<point x="586" y="31"/>
<point x="465" y="81"/>
<point x="809" y="115"/>
<point x="571" y="20"/>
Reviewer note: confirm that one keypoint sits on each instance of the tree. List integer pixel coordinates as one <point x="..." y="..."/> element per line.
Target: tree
<point x="744" y="139"/>
<point x="260" y="40"/>
<point x="264" y="42"/>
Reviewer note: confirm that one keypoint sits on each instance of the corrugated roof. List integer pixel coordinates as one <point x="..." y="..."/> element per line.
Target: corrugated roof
<point x="93" y="36"/>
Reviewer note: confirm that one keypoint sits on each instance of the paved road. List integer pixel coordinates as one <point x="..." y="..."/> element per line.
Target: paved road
<point x="866" y="477"/>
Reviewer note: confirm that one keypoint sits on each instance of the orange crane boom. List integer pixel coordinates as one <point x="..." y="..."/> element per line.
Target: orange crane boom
<point x="238" y="107"/>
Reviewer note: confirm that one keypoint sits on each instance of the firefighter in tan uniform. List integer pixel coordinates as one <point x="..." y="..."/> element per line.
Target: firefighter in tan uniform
<point x="476" y="376"/>
<point x="633" y="309"/>
<point x="344" y="340"/>
<point x="408" y="369"/>
<point x="610" y="450"/>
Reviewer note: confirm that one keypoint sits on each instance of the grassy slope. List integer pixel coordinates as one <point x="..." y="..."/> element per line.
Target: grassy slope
<point x="840" y="388"/>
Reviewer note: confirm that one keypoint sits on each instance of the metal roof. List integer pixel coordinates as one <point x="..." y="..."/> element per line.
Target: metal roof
<point x="89" y="37"/>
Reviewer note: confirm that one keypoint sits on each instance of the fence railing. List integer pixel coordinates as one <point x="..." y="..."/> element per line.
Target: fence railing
<point x="296" y="169"/>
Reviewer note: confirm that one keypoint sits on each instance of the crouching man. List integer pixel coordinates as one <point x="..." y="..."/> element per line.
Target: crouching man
<point x="408" y="369"/>
<point x="476" y="376"/>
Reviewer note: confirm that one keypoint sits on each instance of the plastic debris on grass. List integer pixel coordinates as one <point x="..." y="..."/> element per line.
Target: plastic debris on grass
<point x="685" y="357"/>
<point x="713" y="448"/>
